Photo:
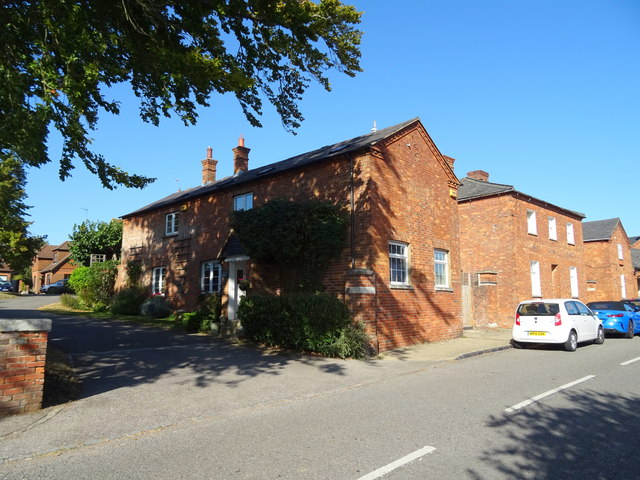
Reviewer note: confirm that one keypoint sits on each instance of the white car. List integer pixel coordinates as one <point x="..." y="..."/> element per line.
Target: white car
<point x="558" y="320"/>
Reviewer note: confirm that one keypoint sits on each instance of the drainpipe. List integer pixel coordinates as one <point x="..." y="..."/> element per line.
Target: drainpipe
<point x="353" y="214"/>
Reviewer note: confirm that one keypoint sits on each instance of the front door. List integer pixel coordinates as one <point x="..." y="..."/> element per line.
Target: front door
<point x="237" y="274"/>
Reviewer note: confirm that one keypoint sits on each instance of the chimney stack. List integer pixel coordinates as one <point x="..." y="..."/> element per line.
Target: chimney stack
<point x="240" y="157"/>
<point x="209" y="168"/>
<point x="480" y="175"/>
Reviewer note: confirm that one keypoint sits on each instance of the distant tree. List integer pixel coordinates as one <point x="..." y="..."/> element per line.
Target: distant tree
<point x="58" y="56"/>
<point x="95" y="238"/>
<point x="17" y="246"/>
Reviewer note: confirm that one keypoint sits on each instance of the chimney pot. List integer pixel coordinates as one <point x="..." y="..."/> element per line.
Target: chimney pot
<point x="479" y="175"/>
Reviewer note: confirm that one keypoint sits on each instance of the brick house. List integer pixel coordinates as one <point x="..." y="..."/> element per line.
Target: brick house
<point x="514" y="247"/>
<point x="51" y="263"/>
<point x="608" y="260"/>
<point x="399" y="272"/>
<point x="5" y="272"/>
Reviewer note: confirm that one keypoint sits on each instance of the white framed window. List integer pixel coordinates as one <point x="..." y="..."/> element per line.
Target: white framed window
<point x="570" y="236"/>
<point x="158" y="282"/>
<point x="398" y="263"/>
<point x="441" y="268"/>
<point x="553" y="231"/>
<point x="536" y="289"/>
<point x="210" y="275"/>
<point x="171" y="223"/>
<point x="243" y="202"/>
<point x="623" y="287"/>
<point x="573" y="280"/>
<point x="620" y="255"/>
<point x="532" y="227"/>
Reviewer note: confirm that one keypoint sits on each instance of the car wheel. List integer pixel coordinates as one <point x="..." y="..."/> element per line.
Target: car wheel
<point x="572" y="342"/>
<point x="600" y="338"/>
<point x="630" y="330"/>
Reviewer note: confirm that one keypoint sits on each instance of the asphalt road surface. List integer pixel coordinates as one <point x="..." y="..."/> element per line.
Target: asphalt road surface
<point x="199" y="409"/>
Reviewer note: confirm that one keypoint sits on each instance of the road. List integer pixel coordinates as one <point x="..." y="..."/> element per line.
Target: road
<point x="538" y="413"/>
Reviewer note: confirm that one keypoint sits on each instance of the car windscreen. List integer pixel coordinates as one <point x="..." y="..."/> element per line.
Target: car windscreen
<point x="538" y="308"/>
<point x="606" y="306"/>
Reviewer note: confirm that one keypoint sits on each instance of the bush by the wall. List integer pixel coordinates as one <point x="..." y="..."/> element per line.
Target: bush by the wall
<point x="71" y="301"/>
<point x="95" y="285"/>
<point x="128" y="301"/>
<point x="210" y="306"/>
<point x="156" y="307"/>
<point x="312" y="322"/>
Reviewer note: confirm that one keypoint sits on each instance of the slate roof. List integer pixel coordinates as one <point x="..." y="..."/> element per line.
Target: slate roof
<point x="326" y="152"/>
<point x="633" y="240"/>
<point x="599" y="230"/>
<point x="471" y="189"/>
<point x="635" y="258"/>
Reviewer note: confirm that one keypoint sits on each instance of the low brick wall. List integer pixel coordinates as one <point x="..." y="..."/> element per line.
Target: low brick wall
<point x="23" y="353"/>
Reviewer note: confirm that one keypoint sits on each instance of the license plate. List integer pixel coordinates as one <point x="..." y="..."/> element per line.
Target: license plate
<point x="537" y="334"/>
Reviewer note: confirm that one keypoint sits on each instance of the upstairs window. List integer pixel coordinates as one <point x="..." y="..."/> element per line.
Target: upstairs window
<point x="570" y="237"/>
<point x="620" y="256"/>
<point x="243" y="202"/>
<point x="441" y="267"/>
<point x="211" y="272"/>
<point x="553" y="233"/>
<point x="171" y="223"/>
<point x="398" y="264"/>
<point x="532" y="228"/>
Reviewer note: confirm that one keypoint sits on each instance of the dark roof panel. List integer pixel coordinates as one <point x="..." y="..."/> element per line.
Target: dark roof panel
<point x="599" y="230"/>
<point x="323" y="153"/>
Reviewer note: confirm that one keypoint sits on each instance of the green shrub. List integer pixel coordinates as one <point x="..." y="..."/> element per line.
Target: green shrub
<point x="210" y="306"/>
<point x="71" y="301"/>
<point x="303" y="321"/>
<point x="95" y="285"/>
<point x="128" y="301"/>
<point x="156" y="307"/>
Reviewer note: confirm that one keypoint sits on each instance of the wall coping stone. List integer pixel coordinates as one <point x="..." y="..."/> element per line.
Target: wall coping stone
<point x="25" y="325"/>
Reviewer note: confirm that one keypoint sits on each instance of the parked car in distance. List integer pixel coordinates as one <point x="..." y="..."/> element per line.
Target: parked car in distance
<point x="61" y="286"/>
<point x="617" y="317"/>
<point x="563" y="321"/>
<point x="6" y="286"/>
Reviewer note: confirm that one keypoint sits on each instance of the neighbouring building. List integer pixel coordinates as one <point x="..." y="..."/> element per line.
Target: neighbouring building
<point x="608" y="260"/>
<point x="51" y="263"/>
<point x="400" y="271"/>
<point x="514" y="247"/>
<point x="5" y="273"/>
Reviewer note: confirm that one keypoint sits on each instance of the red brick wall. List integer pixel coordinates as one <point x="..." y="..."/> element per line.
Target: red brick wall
<point x="604" y="267"/>
<point x="494" y="237"/>
<point x="22" y="362"/>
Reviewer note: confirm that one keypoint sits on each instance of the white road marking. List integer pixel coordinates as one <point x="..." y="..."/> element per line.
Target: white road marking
<point x="546" y="394"/>
<point x="398" y="463"/>
<point x="630" y="361"/>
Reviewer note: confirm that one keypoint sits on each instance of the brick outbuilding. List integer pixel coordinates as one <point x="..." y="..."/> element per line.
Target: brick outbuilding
<point x="399" y="272"/>
<point x="514" y="247"/>
<point x="609" y="261"/>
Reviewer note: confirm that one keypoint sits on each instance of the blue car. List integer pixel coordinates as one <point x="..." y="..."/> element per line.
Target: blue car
<point x="617" y="317"/>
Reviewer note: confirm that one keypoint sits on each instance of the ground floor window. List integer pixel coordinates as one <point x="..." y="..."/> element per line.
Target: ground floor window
<point x="398" y="263"/>
<point x="158" y="282"/>
<point x="210" y="274"/>
<point x="441" y="267"/>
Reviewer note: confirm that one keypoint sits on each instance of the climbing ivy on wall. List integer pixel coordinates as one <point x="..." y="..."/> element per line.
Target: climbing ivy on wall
<point x="301" y="235"/>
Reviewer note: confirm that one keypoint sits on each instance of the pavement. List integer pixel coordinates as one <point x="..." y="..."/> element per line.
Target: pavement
<point x="140" y="381"/>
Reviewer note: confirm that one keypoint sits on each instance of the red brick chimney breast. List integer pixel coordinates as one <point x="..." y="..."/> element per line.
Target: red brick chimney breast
<point x="480" y="175"/>
<point x="240" y="157"/>
<point x="209" y="166"/>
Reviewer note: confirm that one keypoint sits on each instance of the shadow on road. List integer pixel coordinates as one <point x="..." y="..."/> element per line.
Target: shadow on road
<point x="597" y="437"/>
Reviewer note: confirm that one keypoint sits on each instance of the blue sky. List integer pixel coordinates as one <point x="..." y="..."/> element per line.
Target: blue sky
<point x="544" y="95"/>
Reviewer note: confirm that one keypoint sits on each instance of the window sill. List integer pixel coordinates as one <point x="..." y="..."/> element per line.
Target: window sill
<point x="444" y="289"/>
<point x="400" y="287"/>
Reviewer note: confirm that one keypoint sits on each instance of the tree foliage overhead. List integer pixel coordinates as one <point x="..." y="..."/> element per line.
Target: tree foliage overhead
<point x="95" y="238"/>
<point x="58" y="57"/>
<point x="17" y="246"/>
